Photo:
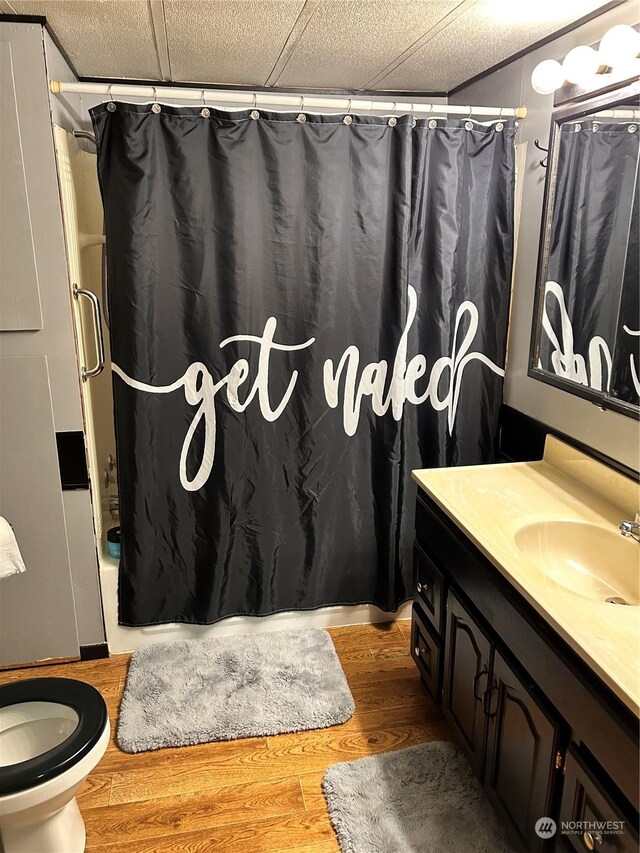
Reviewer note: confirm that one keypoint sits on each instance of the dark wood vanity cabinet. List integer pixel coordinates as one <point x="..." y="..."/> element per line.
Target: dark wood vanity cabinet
<point x="542" y="733"/>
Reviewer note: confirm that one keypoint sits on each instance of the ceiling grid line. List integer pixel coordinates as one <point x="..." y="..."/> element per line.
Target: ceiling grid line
<point x="306" y="13"/>
<point x="159" y="28"/>
<point x="460" y="9"/>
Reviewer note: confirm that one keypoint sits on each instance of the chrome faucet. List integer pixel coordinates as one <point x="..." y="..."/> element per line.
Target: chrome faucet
<point x="631" y="529"/>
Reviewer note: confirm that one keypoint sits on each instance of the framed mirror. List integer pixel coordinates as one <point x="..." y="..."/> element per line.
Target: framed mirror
<point x="586" y="324"/>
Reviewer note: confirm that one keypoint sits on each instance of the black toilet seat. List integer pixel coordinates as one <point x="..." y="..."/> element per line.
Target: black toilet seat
<point x="92" y="718"/>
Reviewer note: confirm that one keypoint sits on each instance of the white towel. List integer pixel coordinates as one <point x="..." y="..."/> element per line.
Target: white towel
<point x="11" y="562"/>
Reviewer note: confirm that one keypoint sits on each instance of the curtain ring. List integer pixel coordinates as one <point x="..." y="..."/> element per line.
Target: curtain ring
<point x="301" y="103"/>
<point x="470" y="113"/>
<point x="395" y="107"/>
<point x="349" y="110"/>
<point x="255" y="101"/>
<point x="111" y="107"/>
<point x="205" y="112"/>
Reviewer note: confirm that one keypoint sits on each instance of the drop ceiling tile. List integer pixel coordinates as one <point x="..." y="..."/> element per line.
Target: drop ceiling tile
<point x="227" y="42"/>
<point x="102" y="38"/>
<point x="348" y="42"/>
<point x="487" y="33"/>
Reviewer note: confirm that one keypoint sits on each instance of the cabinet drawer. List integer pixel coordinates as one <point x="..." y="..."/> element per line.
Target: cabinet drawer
<point x="584" y="799"/>
<point x="425" y="650"/>
<point x="429" y="588"/>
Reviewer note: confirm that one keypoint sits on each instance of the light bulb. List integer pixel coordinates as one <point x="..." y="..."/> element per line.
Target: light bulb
<point x="619" y="45"/>
<point x="580" y="64"/>
<point x="547" y="76"/>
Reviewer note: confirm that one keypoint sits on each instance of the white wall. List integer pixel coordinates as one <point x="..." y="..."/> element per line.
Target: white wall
<point x="615" y="435"/>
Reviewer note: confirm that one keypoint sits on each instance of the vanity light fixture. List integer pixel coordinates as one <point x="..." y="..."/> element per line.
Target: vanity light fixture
<point x="619" y="47"/>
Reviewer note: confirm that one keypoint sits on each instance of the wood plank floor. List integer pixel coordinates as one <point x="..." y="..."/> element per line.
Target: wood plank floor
<point x="260" y="795"/>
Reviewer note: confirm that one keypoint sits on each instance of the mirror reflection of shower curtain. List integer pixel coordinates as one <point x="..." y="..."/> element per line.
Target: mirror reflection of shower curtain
<point x="596" y="183"/>
<point x="625" y="379"/>
<point x="303" y="309"/>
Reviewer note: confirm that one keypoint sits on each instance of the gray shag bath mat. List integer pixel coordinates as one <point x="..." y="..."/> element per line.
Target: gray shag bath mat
<point x="195" y="691"/>
<point x="424" y="799"/>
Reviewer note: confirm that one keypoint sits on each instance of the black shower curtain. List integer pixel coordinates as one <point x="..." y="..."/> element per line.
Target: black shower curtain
<point x="303" y="309"/>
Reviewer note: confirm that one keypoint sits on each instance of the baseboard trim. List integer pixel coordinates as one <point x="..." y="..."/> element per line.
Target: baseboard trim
<point x="33" y="664"/>
<point x="96" y="651"/>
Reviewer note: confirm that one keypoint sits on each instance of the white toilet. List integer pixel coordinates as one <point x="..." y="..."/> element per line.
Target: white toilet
<point x="53" y="732"/>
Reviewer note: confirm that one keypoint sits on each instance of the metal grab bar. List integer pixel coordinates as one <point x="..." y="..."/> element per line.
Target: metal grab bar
<point x="88" y="373"/>
<point x="84" y="134"/>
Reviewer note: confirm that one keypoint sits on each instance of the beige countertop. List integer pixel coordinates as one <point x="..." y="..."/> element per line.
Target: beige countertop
<point x="492" y="504"/>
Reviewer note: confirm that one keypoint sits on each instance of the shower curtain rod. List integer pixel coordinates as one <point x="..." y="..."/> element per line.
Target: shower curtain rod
<point x="209" y="97"/>
<point x="631" y="114"/>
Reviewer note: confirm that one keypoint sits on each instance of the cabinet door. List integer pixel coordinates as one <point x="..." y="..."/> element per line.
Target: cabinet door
<point x="467" y="663"/>
<point x="522" y="745"/>
<point x="20" y="308"/>
<point x="596" y="821"/>
<point x="37" y="610"/>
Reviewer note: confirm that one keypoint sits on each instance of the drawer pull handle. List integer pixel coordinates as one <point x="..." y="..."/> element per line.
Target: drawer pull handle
<point x="423" y="654"/>
<point x="591" y="839"/>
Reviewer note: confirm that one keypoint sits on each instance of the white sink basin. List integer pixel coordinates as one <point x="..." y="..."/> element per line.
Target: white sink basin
<point x="591" y="561"/>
